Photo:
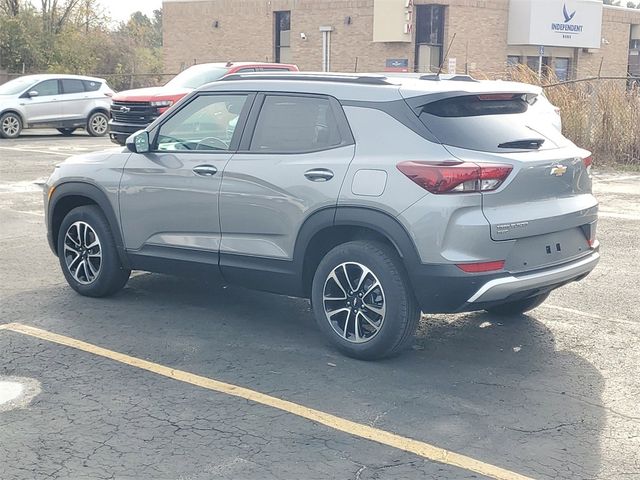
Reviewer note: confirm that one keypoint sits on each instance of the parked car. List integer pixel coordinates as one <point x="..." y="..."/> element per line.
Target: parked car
<point x="133" y="110"/>
<point x="375" y="197"/>
<point x="64" y="102"/>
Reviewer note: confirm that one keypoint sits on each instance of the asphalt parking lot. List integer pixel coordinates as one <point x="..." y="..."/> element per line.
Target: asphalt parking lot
<point x="131" y="386"/>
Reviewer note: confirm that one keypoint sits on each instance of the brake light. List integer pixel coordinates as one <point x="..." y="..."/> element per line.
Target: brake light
<point x="481" y="266"/>
<point x="455" y="177"/>
<point x="587" y="162"/>
<point x="492" y="97"/>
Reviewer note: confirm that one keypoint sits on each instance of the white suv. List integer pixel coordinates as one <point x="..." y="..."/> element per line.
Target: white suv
<point x="64" y="102"/>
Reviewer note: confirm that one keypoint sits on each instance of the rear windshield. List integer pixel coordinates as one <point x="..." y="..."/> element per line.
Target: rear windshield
<point x="196" y="77"/>
<point x="491" y="123"/>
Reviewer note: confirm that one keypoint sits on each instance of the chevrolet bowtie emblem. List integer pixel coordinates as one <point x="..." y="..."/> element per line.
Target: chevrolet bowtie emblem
<point x="558" y="170"/>
<point x="125" y="109"/>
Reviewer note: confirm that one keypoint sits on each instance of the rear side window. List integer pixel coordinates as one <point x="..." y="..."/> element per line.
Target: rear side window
<point x="91" y="86"/>
<point x="489" y="123"/>
<point x="72" y="86"/>
<point x="289" y="124"/>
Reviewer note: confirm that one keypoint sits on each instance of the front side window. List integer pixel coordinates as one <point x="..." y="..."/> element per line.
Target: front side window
<point x="205" y="124"/>
<point x="289" y="124"/>
<point x="46" y="88"/>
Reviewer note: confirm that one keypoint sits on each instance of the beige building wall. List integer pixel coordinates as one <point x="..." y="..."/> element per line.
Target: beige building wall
<point x="246" y="32"/>
<point x="614" y="52"/>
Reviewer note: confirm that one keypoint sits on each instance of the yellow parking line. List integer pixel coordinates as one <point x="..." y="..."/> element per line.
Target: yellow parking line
<point x="422" y="449"/>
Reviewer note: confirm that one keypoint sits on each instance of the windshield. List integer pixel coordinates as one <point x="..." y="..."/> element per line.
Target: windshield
<point x="16" y="86"/>
<point x="196" y="77"/>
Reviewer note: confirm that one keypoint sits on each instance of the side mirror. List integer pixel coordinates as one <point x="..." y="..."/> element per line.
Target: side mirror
<point x="33" y="93"/>
<point x="138" y="142"/>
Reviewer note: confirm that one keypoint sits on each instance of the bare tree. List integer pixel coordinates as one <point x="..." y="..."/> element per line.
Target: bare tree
<point x="10" y="7"/>
<point x="55" y="14"/>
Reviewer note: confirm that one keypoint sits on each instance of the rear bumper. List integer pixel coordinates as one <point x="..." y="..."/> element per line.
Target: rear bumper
<point x="447" y="289"/>
<point x="504" y="288"/>
<point x="119" y="132"/>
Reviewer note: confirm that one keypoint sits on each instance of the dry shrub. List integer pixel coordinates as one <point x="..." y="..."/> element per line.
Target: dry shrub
<point x="602" y="116"/>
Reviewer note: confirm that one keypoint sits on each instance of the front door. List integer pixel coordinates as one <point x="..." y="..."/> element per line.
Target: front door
<point x="169" y="197"/>
<point x="292" y="161"/>
<point x="45" y="106"/>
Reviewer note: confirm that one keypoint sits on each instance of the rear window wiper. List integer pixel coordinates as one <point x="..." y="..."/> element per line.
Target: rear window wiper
<point x="525" y="144"/>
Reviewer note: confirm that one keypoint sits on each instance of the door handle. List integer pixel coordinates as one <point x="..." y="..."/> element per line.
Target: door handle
<point x="205" y="170"/>
<point x="319" y="175"/>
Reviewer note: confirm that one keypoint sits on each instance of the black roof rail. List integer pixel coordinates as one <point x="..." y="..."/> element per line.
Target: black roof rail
<point x="313" y="77"/>
<point x="456" y="78"/>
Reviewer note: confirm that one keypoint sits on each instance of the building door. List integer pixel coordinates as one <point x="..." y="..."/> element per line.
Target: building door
<point x="283" y="37"/>
<point x="429" y="37"/>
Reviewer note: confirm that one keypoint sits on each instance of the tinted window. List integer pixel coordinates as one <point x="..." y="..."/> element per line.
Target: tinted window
<point x="489" y="123"/>
<point x="295" y="124"/>
<point x="206" y="123"/>
<point x="72" y="86"/>
<point x="48" y="87"/>
<point x="245" y="70"/>
<point x="91" y="86"/>
<point x="274" y="69"/>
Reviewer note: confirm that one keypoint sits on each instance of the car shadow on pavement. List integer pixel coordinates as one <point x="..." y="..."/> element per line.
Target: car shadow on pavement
<point x="492" y="388"/>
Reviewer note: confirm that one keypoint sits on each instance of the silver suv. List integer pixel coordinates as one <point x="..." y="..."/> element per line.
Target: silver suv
<point x="377" y="198"/>
<point x="64" y="102"/>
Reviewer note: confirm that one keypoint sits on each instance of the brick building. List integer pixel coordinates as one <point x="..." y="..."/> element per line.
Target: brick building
<point x="574" y="38"/>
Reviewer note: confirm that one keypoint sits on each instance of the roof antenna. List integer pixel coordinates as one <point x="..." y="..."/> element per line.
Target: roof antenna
<point x="445" y="56"/>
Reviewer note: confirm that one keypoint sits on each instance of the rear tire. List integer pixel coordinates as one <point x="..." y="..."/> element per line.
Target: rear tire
<point x="10" y="125"/>
<point x="379" y="314"/>
<point x="88" y="255"/>
<point x="98" y="124"/>
<point x="519" y="306"/>
<point x="66" y="131"/>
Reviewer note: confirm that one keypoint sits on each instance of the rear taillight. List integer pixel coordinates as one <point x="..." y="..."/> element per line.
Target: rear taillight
<point x="587" y="163"/>
<point x="481" y="266"/>
<point x="456" y="177"/>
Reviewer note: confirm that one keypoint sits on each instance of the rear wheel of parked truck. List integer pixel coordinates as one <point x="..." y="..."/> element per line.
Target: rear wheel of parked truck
<point x="519" y="306"/>
<point x="362" y="300"/>
<point x="98" y="124"/>
<point x="66" y="131"/>
<point x="88" y="254"/>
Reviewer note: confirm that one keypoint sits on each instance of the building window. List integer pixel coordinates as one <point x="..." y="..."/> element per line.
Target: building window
<point x="283" y="37"/>
<point x="534" y="63"/>
<point x="513" y="61"/>
<point x="429" y="37"/>
<point x="562" y="68"/>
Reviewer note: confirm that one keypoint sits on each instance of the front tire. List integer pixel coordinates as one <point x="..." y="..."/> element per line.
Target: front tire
<point x="519" y="306"/>
<point x="98" y="124"/>
<point x="88" y="255"/>
<point x="10" y="125"/>
<point x="362" y="300"/>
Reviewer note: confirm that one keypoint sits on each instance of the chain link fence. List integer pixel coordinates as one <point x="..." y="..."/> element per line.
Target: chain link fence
<point x="600" y="114"/>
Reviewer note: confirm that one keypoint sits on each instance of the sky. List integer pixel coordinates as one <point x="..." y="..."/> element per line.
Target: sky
<point x="120" y="10"/>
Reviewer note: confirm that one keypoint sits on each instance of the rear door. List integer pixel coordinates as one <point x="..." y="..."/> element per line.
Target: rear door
<point x="292" y="161"/>
<point x="545" y="203"/>
<point x="45" y="106"/>
<point x="75" y="99"/>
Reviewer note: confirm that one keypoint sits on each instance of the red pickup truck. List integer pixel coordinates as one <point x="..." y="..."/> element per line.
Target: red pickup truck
<point x="133" y="110"/>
